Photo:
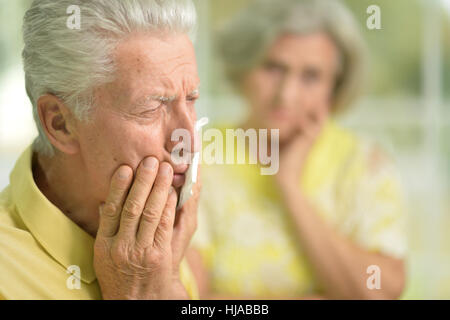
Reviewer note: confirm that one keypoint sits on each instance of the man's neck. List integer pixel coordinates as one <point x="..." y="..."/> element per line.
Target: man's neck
<point x="60" y="182"/>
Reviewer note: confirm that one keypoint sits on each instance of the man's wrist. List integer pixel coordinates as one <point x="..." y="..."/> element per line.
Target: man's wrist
<point x="179" y="291"/>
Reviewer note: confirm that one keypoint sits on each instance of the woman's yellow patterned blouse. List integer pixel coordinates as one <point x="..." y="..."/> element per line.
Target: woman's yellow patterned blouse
<point x="244" y="233"/>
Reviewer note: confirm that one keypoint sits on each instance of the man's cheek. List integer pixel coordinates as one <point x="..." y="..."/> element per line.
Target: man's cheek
<point x="132" y="152"/>
<point x="125" y="156"/>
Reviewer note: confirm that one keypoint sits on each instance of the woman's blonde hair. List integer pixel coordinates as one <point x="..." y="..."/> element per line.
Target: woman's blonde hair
<point x="243" y="41"/>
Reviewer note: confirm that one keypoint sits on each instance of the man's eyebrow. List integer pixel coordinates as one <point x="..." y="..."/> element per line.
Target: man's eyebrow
<point x="195" y="92"/>
<point x="165" y="98"/>
<point x="153" y="97"/>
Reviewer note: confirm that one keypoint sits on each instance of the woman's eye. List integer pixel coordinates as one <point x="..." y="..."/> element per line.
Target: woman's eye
<point x="310" y="77"/>
<point x="273" y="67"/>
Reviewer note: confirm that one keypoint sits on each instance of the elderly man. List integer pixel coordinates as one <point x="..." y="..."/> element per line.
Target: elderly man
<point x="90" y="211"/>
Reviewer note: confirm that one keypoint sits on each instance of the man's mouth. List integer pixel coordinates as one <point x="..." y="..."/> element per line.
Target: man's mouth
<point x="178" y="180"/>
<point x="179" y="176"/>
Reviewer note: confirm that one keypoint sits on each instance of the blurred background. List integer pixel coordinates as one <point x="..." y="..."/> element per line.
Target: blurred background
<point x="405" y="108"/>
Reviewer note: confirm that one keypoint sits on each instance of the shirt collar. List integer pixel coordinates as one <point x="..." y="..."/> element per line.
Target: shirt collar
<point x="64" y="240"/>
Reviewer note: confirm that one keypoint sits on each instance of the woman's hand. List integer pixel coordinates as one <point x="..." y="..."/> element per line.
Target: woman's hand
<point x="294" y="152"/>
<point x="134" y="257"/>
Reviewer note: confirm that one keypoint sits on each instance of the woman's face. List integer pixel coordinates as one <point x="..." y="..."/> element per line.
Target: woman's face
<point x="296" y="79"/>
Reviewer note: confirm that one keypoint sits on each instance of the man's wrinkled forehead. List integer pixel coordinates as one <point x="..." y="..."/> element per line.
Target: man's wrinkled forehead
<point x="164" y="65"/>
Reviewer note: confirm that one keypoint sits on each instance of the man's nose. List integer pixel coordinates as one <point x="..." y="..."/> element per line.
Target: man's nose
<point x="181" y="128"/>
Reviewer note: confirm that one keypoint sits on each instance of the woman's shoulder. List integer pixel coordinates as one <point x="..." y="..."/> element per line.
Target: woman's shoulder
<point x="361" y="151"/>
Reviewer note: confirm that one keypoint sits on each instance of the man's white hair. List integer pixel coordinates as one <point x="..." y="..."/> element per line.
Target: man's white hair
<point x="71" y="63"/>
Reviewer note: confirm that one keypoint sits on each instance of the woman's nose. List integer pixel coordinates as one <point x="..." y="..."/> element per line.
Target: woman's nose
<point x="288" y="91"/>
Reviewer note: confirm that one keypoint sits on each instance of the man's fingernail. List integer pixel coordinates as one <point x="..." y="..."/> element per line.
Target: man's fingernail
<point x="124" y="173"/>
<point x="171" y="190"/>
<point x="165" y="169"/>
<point x="150" y="162"/>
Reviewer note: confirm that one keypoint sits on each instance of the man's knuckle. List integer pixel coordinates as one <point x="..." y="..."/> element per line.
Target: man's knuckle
<point x="155" y="257"/>
<point x="109" y="210"/>
<point x="131" y="209"/>
<point x="142" y="178"/>
<point x="150" y="214"/>
<point x="165" y="220"/>
<point x="101" y="247"/>
<point x="158" y="193"/>
<point x="118" y="253"/>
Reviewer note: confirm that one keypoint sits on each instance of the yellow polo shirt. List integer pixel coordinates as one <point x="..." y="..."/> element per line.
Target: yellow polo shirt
<point x="39" y="244"/>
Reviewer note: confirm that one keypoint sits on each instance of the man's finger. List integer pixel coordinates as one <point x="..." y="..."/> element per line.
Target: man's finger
<point x="185" y="224"/>
<point x="182" y="233"/>
<point x="137" y="197"/>
<point x="155" y="205"/>
<point x="164" y="231"/>
<point x="110" y="210"/>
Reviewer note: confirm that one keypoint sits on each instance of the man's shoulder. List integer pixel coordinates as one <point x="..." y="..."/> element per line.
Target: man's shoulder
<point x="15" y="244"/>
<point x="14" y="236"/>
<point x="20" y="253"/>
<point x="8" y="214"/>
<point x="27" y="270"/>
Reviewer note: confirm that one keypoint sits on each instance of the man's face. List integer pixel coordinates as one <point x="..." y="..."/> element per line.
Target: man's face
<point x="154" y="93"/>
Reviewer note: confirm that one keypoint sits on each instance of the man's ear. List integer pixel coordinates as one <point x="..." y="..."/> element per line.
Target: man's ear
<point x="58" y="123"/>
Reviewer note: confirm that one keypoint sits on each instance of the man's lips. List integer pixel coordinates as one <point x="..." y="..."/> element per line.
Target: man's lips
<point x="178" y="180"/>
<point x="179" y="175"/>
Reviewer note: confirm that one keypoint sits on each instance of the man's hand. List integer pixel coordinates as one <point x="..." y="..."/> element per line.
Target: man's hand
<point x="186" y="223"/>
<point x="133" y="256"/>
<point x="293" y="153"/>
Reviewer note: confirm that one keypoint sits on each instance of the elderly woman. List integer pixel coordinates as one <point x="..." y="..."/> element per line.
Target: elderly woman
<point x="106" y="98"/>
<point x="329" y="223"/>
